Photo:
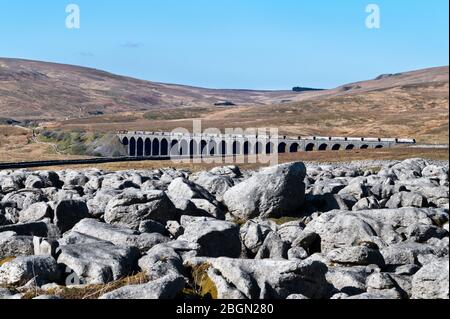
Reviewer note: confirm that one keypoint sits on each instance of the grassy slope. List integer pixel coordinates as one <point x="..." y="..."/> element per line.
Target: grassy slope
<point x="412" y="104"/>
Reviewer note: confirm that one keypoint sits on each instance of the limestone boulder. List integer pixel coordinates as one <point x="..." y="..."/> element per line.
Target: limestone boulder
<point x="272" y="192"/>
<point x="216" y="238"/>
<point x="432" y="281"/>
<point x="164" y="288"/>
<point x="261" y="279"/>
<point x="99" y="262"/>
<point x="22" y="269"/>
<point x="132" y="207"/>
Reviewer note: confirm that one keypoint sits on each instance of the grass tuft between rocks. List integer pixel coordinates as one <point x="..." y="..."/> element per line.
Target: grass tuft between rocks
<point x="6" y="260"/>
<point x="89" y="291"/>
<point x="204" y="286"/>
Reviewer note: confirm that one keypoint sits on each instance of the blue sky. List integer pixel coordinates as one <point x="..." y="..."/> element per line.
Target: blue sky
<point x="259" y="44"/>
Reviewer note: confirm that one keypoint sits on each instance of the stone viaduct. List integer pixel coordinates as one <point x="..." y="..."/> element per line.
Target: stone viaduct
<point x="163" y="145"/>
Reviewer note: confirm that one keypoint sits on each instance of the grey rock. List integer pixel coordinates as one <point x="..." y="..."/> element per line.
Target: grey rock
<point x="186" y="207"/>
<point x="13" y="245"/>
<point x="231" y="171"/>
<point x="208" y="208"/>
<point x="35" y="212"/>
<point x="273" y="248"/>
<point x="99" y="262"/>
<point x="160" y="261"/>
<point x="23" y="269"/>
<point x="185" y="249"/>
<point x="221" y="286"/>
<point x="297" y="253"/>
<point x="386" y="189"/>
<point x="74" y="178"/>
<point x="118" y="235"/>
<point x="5" y="293"/>
<point x="356" y="256"/>
<point x="47" y="297"/>
<point x="174" y="228"/>
<point x="152" y="226"/>
<point x="68" y="213"/>
<point x="342" y="228"/>
<point x="381" y="294"/>
<point x="154" y="185"/>
<point x="75" y="238"/>
<point x="355" y="189"/>
<point x="170" y="174"/>
<point x="44" y="247"/>
<point x="348" y="280"/>
<point x="335" y="202"/>
<point x="331" y="187"/>
<point x="216" y="238"/>
<point x="290" y="231"/>
<point x="34" y="181"/>
<point x="116" y="182"/>
<point x="422" y="233"/>
<point x="266" y="278"/>
<point x="407" y="253"/>
<point x="272" y="192"/>
<point x="339" y="296"/>
<point x="132" y="207"/>
<point x="254" y="232"/>
<point x="167" y="287"/>
<point x="40" y="229"/>
<point x="97" y="205"/>
<point x="406" y="270"/>
<point x="24" y="198"/>
<point x="181" y="188"/>
<point x="50" y="179"/>
<point x="215" y="184"/>
<point x="93" y="185"/>
<point x="403" y="283"/>
<point x="406" y="199"/>
<point x="10" y="183"/>
<point x="380" y="281"/>
<point x="310" y="241"/>
<point x="67" y="194"/>
<point x="297" y="297"/>
<point x="432" y="281"/>
<point x="409" y="169"/>
<point x="366" y="203"/>
<point x="434" y="171"/>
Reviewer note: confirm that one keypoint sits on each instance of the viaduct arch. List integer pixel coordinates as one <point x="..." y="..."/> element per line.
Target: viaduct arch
<point x="163" y="145"/>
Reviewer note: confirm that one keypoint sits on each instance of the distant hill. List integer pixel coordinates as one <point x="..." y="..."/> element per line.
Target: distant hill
<point x="33" y="90"/>
<point x="40" y="90"/>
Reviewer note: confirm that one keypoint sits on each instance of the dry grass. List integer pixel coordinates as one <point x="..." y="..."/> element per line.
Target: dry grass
<point x="89" y="291"/>
<point x="177" y="114"/>
<point x="419" y="112"/>
<point x="413" y="105"/>
<point x="16" y="145"/>
<point x="6" y="260"/>
<point x="204" y="286"/>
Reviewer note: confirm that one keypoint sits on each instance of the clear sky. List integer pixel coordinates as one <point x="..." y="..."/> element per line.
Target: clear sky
<point x="261" y="44"/>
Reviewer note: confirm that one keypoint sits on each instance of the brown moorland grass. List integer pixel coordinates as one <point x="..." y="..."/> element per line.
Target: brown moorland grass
<point x="419" y="112"/>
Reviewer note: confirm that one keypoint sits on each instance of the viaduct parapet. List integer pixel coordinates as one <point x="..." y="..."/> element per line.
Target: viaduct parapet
<point x="161" y="144"/>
